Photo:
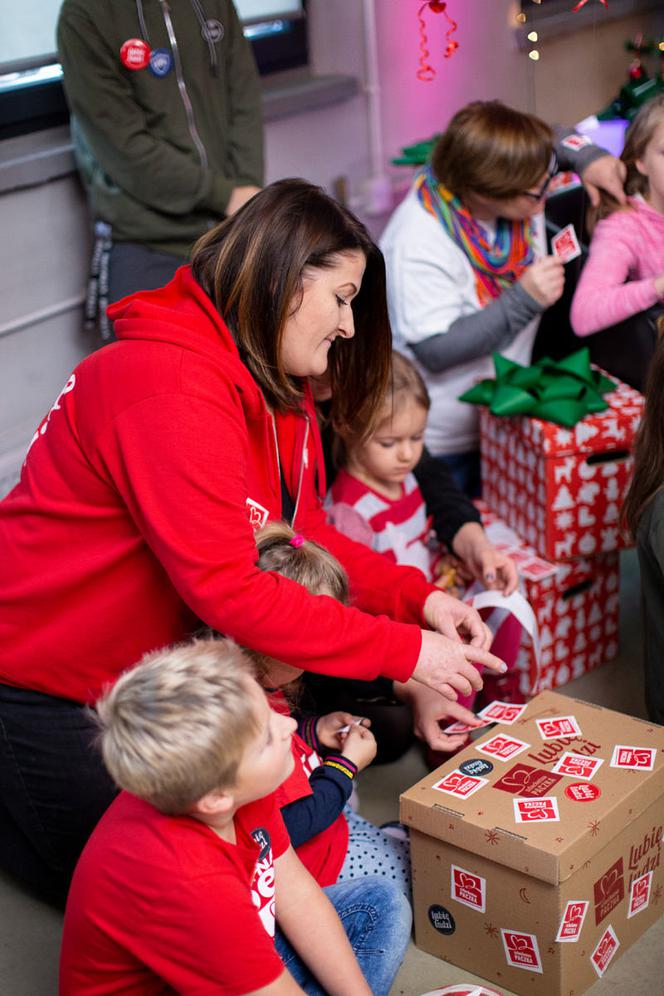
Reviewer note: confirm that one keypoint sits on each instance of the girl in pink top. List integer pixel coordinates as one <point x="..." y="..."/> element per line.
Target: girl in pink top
<point x="624" y="274"/>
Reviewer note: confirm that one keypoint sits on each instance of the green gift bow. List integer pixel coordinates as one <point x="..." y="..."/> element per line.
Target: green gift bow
<point x="417" y="154"/>
<point x="563" y="392"/>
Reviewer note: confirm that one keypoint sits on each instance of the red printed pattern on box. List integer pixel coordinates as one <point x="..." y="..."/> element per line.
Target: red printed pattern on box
<point x="576" y="605"/>
<point x="571" y="924"/>
<point x="467" y="888"/>
<point x="537" y="476"/>
<point x="609" y="890"/>
<point x="525" y="780"/>
<point x="521" y="950"/>
<point x="605" y="950"/>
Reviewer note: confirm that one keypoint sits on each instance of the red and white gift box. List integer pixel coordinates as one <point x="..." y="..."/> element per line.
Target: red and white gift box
<point x="576" y="605"/>
<point x="562" y="489"/>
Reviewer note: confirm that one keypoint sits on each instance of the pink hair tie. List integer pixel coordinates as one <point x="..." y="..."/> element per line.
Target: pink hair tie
<point x="297" y="541"/>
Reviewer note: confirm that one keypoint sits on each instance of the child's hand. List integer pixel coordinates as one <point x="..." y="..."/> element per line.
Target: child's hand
<point x="328" y="727"/>
<point x="359" y="746"/>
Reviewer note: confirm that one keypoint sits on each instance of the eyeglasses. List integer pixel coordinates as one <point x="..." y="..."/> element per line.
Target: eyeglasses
<point x="550" y="173"/>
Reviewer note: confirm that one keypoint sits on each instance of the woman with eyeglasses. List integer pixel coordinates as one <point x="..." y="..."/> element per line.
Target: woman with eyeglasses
<point x="467" y="268"/>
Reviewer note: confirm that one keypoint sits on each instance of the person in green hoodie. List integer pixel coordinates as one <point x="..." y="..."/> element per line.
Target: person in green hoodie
<point x="167" y="129"/>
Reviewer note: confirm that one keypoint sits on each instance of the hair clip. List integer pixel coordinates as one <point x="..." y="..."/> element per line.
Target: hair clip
<point x="296" y="541"/>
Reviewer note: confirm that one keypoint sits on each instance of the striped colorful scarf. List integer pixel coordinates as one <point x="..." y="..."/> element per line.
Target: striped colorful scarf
<point x="495" y="266"/>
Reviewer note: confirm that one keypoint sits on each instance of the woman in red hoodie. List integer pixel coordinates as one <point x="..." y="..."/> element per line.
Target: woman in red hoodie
<point x="135" y="514"/>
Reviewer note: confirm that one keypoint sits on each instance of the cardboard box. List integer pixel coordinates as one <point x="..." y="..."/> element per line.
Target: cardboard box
<point x="536" y="851"/>
<point x="576" y="605"/>
<point x="562" y="489"/>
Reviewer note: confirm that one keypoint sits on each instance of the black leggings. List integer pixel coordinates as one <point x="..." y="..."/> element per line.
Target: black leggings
<point x="53" y="788"/>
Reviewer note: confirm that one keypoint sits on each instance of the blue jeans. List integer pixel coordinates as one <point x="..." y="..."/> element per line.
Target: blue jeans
<point x="377" y="919"/>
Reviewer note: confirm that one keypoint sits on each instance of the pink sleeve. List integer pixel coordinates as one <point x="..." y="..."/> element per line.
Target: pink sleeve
<point x="605" y="295"/>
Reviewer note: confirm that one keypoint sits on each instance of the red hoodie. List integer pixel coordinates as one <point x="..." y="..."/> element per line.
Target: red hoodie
<point x="133" y="518"/>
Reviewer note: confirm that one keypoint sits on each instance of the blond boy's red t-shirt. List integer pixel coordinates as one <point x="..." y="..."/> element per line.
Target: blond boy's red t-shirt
<point x="161" y="904"/>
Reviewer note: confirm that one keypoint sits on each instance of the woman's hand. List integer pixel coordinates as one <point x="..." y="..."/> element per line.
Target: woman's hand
<point x="328" y="727"/>
<point x="430" y="710"/>
<point x="606" y="173"/>
<point x="447" y="665"/>
<point x="544" y="280"/>
<point x="455" y="619"/>
<point x="495" y="570"/>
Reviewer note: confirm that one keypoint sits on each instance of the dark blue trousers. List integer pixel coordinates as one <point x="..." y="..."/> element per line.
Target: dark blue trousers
<point x="53" y="788"/>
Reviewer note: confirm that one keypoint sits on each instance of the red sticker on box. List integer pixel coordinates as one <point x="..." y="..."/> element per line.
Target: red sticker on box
<point x="502" y="747"/>
<point x="571" y="924"/>
<point x="639" y="894"/>
<point x="536" y="810"/>
<point x="521" y="950"/>
<point x="578" y="765"/>
<point x="523" y="779"/>
<point x="459" y="785"/>
<point x="582" y="792"/>
<point x="558" y="726"/>
<point x="467" y="888"/>
<point x="605" y="950"/>
<point x="502" y="712"/>
<point x="633" y="758"/>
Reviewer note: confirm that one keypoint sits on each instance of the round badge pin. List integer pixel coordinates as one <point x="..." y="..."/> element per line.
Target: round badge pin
<point x="213" y="30"/>
<point x="441" y="919"/>
<point x="161" y="62"/>
<point x="135" y="54"/>
<point x="583" y="792"/>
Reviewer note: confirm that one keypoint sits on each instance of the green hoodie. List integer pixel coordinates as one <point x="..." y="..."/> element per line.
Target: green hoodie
<point x="161" y="154"/>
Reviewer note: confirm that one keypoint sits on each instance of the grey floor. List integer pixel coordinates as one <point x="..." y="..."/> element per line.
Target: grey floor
<point x="30" y="931"/>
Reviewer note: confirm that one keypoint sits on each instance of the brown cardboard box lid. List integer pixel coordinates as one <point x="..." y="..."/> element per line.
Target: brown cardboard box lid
<point x="485" y="822"/>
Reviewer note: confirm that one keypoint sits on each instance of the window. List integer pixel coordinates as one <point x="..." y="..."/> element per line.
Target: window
<point x="31" y="94"/>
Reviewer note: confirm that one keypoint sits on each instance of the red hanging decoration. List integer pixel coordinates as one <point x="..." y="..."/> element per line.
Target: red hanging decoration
<point x="582" y="3"/>
<point x="426" y="72"/>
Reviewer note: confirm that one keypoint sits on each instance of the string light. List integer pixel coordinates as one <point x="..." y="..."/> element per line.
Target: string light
<point x="533" y="36"/>
<point x="534" y="55"/>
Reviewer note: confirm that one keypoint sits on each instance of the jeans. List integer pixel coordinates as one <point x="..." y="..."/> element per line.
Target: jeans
<point x="53" y="788"/>
<point x="466" y="471"/>
<point x="377" y="919"/>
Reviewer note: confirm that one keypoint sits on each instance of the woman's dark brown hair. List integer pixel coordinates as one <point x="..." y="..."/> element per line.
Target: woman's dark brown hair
<point x="492" y="150"/>
<point x="252" y="267"/>
<point x="648" y="477"/>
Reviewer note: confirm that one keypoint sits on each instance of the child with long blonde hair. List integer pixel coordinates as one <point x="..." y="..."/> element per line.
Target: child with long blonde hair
<point x="331" y="840"/>
<point x="624" y="274"/>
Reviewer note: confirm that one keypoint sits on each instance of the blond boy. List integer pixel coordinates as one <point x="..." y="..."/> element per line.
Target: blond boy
<point x="183" y="879"/>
